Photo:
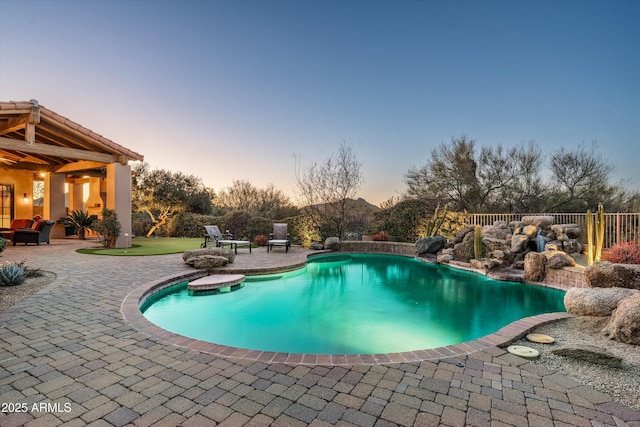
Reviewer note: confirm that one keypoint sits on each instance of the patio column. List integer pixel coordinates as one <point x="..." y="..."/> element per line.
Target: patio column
<point x="54" y="207"/>
<point x="75" y="197"/>
<point x="119" y="199"/>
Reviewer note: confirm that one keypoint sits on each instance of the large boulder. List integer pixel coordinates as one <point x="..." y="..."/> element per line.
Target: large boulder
<point x="463" y="231"/>
<point x="499" y="230"/>
<point x="530" y="230"/>
<point x="332" y="243"/>
<point x="534" y="267"/>
<point x="625" y="321"/>
<point x="610" y="275"/>
<point x="594" y="301"/>
<point x="223" y="252"/>
<point x="519" y="242"/>
<point x="558" y="259"/>
<point x="573" y="231"/>
<point x="493" y="244"/>
<point x="539" y="221"/>
<point x="430" y="245"/>
<point x="207" y="261"/>
<point x="572" y="246"/>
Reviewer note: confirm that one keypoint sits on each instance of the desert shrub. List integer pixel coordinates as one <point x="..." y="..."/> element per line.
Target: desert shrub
<point x="381" y="236"/>
<point x="189" y="224"/>
<point x="453" y="222"/>
<point x="301" y="230"/>
<point x="12" y="274"/>
<point x="258" y="226"/>
<point x="261" y="240"/>
<point x="109" y="228"/>
<point x="625" y="253"/>
<point x="401" y="220"/>
<point x="237" y="223"/>
<point x="140" y="223"/>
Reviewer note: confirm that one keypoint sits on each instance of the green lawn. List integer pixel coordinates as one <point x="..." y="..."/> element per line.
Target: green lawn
<point x="149" y="246"/>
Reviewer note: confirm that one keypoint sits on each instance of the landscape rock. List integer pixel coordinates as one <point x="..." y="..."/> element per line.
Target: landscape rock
<point x="539" y="221"/>
<point x="515" y="225"/>
<point x="207" y="261"/>
<point x="332" y="243"/>
<point x="499" y="230"/>
<point x="519" y="242"/>
<point x="530" y="230"/>
<point x="625" y="321"/>
<point x="464" y="231"/>
<point x="484" y="263"/>
<point x="316" y="246"/>
<point x="534" y="267"/>
<point x="609" y="275"/>
<point x="589" y="353"/>
<point x="444" y="258"/>
<point x="223" y="252"/>
<point x="594" y="301"/>
<point x="430" y="245"/>
<point x="573" y="231"/>
<point x="558" y="259"/>
<point x="572" y="246"/>
<point x="554" y="245"/>
<point x="494" y="244"/>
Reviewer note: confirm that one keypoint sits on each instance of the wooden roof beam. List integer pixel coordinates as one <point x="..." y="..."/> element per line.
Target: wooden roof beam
<point x="51" y="150"/>
<point x="80" y="166"/>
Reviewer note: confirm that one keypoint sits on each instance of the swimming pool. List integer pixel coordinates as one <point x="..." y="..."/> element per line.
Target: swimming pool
<point x="352" y="304"/>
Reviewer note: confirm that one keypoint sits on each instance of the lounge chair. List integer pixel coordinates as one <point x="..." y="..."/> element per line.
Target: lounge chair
<point x="279" y="237"/>
<point x="39" y="233"/>
<point x="215" y="236"/>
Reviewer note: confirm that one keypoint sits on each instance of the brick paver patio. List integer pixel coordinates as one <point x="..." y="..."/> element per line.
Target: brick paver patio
<point x="68" y="357"/>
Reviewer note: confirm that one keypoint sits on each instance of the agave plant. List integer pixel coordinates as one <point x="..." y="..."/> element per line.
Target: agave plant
<point x="81" y="221"/>
<point x="12" y="275"/>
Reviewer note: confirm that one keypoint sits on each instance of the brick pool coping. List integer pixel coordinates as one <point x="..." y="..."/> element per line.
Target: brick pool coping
<point x="130" y="310"/>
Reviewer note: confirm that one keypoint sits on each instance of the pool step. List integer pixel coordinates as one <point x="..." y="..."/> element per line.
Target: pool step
<point x="214" y="283"/>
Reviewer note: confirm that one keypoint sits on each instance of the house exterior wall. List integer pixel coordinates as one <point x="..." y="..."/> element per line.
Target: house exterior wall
<point x="22" y="182"/>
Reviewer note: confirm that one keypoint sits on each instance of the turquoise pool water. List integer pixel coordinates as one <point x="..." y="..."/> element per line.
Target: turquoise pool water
<point x="353" y="304"/>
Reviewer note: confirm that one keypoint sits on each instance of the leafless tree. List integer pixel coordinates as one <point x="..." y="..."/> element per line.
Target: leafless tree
<point x="326" y="188"/>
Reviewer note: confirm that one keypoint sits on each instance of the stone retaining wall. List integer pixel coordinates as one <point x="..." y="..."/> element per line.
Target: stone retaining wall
<point x="566" y="277"/>
<point x="397" y="248"/>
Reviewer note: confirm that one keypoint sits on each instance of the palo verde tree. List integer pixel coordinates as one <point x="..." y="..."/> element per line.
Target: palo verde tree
<point x="502" y="179"/>
<point x="326" y="188"/>
<point x="161" y="193"/>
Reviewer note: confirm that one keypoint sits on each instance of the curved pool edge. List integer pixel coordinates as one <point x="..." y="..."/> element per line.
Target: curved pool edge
<point x="133" y="316"/>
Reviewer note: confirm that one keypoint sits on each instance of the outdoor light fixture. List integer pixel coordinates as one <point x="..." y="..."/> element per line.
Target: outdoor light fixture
<point x="25" y="198"/>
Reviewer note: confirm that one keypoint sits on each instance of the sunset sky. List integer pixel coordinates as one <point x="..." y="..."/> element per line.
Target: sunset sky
<point x="241" y="89"/>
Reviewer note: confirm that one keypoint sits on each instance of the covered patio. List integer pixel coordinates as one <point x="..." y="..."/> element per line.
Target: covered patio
<point x="50" y="165"/>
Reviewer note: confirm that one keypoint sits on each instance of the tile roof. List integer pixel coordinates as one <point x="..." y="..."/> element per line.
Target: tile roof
<point x="49" y="118"/>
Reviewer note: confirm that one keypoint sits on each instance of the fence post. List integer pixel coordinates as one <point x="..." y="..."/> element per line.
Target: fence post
<point x="618" y="233"/>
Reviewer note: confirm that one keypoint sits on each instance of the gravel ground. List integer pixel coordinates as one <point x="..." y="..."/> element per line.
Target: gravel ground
<point x="622" y="383"/>
<point x="10" y="295"/>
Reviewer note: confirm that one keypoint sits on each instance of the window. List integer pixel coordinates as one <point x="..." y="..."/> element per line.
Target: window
<point x="6" y="205"/>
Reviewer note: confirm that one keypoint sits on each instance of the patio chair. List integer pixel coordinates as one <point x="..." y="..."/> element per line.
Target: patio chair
<point x="214" y="236"/>
<point x="279" y="237"/>
<point x="38" y="234"/>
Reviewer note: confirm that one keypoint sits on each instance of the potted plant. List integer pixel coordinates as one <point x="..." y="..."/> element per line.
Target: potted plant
<point x="80" y="221"/>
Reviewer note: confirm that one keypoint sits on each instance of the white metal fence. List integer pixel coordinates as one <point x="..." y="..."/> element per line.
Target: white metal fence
<point x="618" y="227"/>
